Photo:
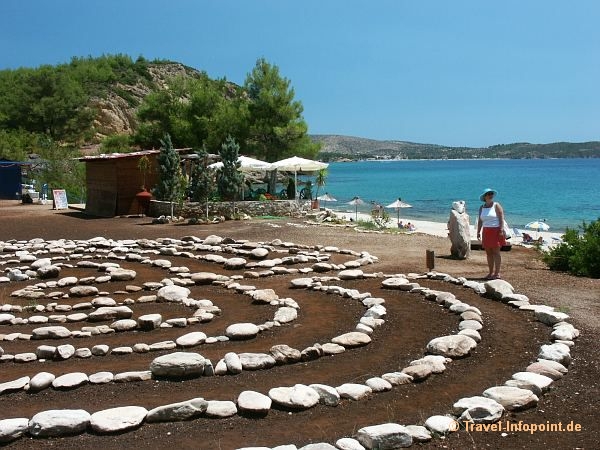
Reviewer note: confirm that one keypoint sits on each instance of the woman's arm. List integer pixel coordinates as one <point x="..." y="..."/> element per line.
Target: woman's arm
<point x="500" y="214"/>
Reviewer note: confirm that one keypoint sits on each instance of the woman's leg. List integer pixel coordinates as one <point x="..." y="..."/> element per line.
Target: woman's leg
<point x="489" y="253"/>
<point x="497" y="261"/>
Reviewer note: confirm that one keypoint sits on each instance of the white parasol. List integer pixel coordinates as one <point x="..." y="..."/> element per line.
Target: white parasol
<point x="356" y="201"/>
<point x="399" y="204"/>
<point x="247" y="164"/>
<point x="538" y="225"/>
<point x="296" y="164"/>
<point x="326" y="198"/>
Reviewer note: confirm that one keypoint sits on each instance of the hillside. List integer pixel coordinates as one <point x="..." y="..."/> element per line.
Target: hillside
<point x="83" y="102"/>
<point x="335" y="148"/>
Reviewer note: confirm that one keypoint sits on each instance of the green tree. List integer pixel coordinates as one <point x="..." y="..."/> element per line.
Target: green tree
<point x="116" y="143"/>
<point x="276" y="127"/>
<point x="202" y="184"/>
<point x="578" y="254"/>
<point x="169" y="172"/>
<point x="230" y="179"/>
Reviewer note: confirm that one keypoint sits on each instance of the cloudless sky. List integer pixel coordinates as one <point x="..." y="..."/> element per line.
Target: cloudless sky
<point x="460" y="72"/>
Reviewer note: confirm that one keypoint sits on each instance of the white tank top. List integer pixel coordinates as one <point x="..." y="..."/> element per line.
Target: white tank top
<point x="489" y="218"/>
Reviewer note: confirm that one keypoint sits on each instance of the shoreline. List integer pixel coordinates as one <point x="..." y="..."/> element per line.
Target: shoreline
<point x="440" y="229"/>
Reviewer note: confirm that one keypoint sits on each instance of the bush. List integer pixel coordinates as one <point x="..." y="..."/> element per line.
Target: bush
<point x="579" y="253"/>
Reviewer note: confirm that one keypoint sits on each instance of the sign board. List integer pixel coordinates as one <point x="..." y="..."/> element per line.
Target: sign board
<point x="60" y="199"/>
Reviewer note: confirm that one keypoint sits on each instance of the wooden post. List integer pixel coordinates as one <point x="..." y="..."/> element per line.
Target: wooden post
<point x="430" y="259"/>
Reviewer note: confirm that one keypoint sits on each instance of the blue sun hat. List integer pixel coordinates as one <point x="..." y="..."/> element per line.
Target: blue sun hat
<point x="485" y="192"/>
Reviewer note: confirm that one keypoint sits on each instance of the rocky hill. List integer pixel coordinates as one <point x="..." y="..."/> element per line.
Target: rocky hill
<point x="115" y="113"/>
<point x="339" y="148"/>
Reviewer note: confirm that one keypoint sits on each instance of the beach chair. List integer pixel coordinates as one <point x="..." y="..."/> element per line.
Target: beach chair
<point x="517" y="232"/>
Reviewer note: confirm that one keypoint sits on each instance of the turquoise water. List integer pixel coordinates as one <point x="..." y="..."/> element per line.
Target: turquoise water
<point x="564" y="192"/>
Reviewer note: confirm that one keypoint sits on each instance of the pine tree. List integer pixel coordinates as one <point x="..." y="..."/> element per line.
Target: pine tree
<point x="230" y="179"/>
<point x="171" y="183"/>
<point x="202" y="184"/>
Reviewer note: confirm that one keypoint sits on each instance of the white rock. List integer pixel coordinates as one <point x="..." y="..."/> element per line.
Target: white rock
<point x="234" y="263"/>
<point x="352" y="339"/>
<point x="378" y="384"/>
<point x="138" y="375"/>
<point x="253" y="402"/>
<point x="105" y="313"/>
<point x="191" y="339"/>
<point x="470" y="325"/>
<point x="119" y="419"/>
<point x="64" y="352"/>
<point x="11" y="429"/>
<point x="541" y="381"/>
<point x="348" y="444"/>
<point x="124" y="325"/>
<point x="478" y="409"/>
<point x="263" y="296"/>
<point x="286" y="314"/>
<point x="175" y="412"/>
<point x="441" y="424"/>
<point x="419" y="433"/>
<point x="221" y="408"/>
<point x="148" y="322"/>
<point x="384" y="436"/>
<point x="101" y="377"/>
<point x="497" y="289"/>
<point x="172" y="293"/>
<point x="550" y="317"/>
<point x="100" y="350"/>
<point x="233" y="363"/>
<point x="122" y="274"/>
<point x="61" y="422"/>
<point x="15" y="385"/>
<point x="70" y="380"/>
<point x="395" y="282"/>
<point x="178" y="365"/>
<point x="556" y="352"/>
<point x="328" y="395"/>
<point x="256" y="361"/>
<point x="354" y="391"/>
<point x="299" y="396"/>
<point x="239" y="331"/>
<point x="54" y="332"/>
<point x="452" y="346"/>
<point x="397" y="378"/>
<point x="41" y="381"/>
<point x="512" y="398"/>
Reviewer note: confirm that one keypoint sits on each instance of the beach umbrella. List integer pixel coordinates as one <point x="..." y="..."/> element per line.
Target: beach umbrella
<point x="296" y="164"/>
<point x="247" y="164"/>
<point x="326" y="198"/>
<point x="538" y="225"/>
<point x="399" y="204"/>
<point x="356" y="201"/>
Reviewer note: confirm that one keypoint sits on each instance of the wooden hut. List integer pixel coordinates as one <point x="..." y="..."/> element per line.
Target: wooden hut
<point x="113" y="181"/>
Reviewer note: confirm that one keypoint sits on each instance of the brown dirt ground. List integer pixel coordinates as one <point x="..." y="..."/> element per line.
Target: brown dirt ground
<point x="511" y="340"/>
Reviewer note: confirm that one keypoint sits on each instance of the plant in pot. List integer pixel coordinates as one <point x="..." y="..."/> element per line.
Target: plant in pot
<point x="320" y="180"/>
<point x="143" y="197"/>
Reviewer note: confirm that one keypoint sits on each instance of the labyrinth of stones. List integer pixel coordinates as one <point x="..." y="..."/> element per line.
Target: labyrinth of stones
<point x="74" y="316"/>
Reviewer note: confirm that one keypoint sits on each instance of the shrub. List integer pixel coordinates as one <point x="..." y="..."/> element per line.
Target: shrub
<point x="579" y="253"/>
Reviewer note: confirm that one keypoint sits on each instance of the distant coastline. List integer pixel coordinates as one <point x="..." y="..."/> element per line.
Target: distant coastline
<point x="349" y="148"/>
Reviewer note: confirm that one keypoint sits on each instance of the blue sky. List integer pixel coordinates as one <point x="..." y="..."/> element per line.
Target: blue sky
<point x="461" y="72"/>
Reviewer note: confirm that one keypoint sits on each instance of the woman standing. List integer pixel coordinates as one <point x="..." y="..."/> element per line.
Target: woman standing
<point x="490" y="232"/>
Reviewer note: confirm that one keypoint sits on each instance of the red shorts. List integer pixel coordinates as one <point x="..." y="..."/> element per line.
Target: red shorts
<point x="492" y="238"/>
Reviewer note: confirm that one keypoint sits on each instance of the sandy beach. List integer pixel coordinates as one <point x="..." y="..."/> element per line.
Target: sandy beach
<point x="441" y="229"/>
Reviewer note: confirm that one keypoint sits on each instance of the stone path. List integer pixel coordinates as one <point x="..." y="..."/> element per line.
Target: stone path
<point x="34" y="268"/>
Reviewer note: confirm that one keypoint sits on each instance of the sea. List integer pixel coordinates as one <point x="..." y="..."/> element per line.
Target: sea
<point x="562" y="192"/>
